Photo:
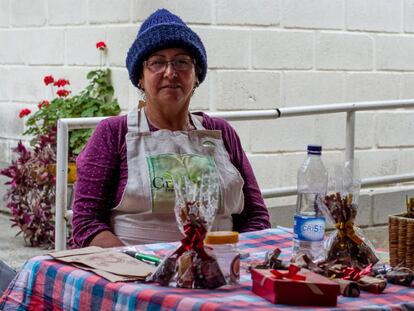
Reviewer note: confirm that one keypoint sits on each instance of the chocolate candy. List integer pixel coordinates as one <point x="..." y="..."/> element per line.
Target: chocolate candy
<point x="400" y="276"/>
<point x="208" y="273"/>
<point x="347" y="246"/>
<point x="165" y="271"/>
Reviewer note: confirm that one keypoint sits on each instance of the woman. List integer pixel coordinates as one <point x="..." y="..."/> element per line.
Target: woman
<point x="123" y="195"/>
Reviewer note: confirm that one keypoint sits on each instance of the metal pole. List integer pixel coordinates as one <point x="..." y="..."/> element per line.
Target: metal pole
<point x="64" y="125"/>
<point x="77" y="123"/>
<point x="366" y="182"/>
<point x="344" y="107"/>
<point x="350" y="136"/>
<point x="61" y="185"/>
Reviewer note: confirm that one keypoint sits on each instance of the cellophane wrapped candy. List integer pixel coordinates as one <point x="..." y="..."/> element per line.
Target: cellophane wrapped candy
<point x="347" y="244"/>
<point x="196" y="206"/>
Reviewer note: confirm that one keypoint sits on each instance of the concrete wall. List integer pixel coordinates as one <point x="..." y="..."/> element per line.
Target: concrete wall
<point x="262" y="54"/>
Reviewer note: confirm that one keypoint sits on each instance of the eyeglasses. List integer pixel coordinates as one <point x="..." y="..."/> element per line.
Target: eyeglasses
<point x="179" y="64"/>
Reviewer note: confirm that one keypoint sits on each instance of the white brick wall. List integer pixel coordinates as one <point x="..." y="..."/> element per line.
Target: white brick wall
<point x="118" y="41"/>
<point x="388" y="124"/>
<point x="282" y="49"/>
<point x="372" y="86"/>
<point x="407" y="89"/>
<point x="28" y="13"/>
<point x="408" y="15"/>
<point x="80" y="45"/>
<point x="27" y="84"/>
<point x="365" y="130"/>
<point x="262" y="54"/>
<point x="313" y="88"/>
<point x="10" y="125"/>
<point x="5" y="83"/>
<point x="47" y="47"/>
<point x="201" y="96"/>
<point x="249" y="90"/>
<point x="219" y="42"/>
<point x="246" y="12"/>
<point x="67" y="12"/>
<point x="4" y="13"/>
<point x="343" y="51"/>
<point x="200" y="12"/>
<point x="329" y="131"/>
<point x="118" y="77"/>
<point x="378" y="163"/>
<point x="406" y="160"/>
<point x="318" y="14"/>
<point x="14" y="47"/>
<point x="108" y="11"/>
<point x="395" y="52"/>
<point x="374" y="15"/>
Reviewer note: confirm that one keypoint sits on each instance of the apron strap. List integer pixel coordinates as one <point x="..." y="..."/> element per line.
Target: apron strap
<point x="137" y="121"/>
<point x="197" y="123"/>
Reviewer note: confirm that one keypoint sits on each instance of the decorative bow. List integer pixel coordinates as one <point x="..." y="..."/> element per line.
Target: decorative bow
<point x="354" y="274"/>
<point x="346" y="229"/>
<point x="409" y="203"/>
<point x="292" y="274"/>
<point x="194" y="239"/>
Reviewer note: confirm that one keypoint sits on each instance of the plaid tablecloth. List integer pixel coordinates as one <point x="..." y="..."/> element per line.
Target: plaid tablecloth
<point x="45" y="284"/>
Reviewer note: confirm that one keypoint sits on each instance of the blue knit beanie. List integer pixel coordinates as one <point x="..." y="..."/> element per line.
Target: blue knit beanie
<point x="162" y="30"/>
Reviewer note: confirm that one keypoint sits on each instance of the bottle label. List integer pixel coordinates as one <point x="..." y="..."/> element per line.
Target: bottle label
<point x="309" y="228"/>
<point x="235" y="270"/>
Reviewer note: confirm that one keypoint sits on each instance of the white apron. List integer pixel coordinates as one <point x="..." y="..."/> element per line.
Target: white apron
<point x="145" y="213"/>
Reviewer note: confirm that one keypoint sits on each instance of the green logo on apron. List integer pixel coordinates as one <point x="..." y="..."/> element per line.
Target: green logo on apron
<point x="163" y="167"/>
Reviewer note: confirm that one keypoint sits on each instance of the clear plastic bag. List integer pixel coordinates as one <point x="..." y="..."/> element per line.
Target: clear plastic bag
<point x="195" y="209"/>
<point x="347" y="243"/>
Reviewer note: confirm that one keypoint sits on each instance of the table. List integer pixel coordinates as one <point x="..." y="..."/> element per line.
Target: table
<point x="46" y="284"/>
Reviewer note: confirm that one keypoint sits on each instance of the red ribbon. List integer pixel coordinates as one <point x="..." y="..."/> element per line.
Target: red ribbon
<point x="354" y="274"/>
<point x="194" y="239"/>
<point x="292" y="274"/>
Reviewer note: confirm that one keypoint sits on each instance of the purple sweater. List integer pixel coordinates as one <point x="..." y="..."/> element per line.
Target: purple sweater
<point x="102" y="174"/>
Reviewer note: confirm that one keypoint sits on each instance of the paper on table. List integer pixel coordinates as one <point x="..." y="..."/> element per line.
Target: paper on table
<point x="112" y="265"/>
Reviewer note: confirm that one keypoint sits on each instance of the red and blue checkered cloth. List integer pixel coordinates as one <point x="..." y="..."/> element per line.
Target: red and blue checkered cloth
<point x="45" y="284"/>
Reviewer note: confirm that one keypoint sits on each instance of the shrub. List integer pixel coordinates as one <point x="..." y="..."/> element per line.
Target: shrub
<point x="31" y="189"/>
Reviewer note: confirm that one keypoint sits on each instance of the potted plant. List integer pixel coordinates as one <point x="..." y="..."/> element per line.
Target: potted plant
<point x="31" y="189"/>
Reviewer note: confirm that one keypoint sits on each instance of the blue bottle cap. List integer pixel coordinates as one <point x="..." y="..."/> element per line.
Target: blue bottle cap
<point x="314" y="149"/>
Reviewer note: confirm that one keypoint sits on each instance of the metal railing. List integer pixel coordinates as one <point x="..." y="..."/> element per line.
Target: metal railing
<point x="65" y="125"/>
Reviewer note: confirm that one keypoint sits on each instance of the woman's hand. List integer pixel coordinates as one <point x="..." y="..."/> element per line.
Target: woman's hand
<point x="106" y="239"/>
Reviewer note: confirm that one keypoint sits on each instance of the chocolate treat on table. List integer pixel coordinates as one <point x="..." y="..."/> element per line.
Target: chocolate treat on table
<point x="372" y="284"/>
<point x="348" y="288"/>
<point x="400" y="276"/>
<point x="208" y="273"/>
<point x="347" y="246"/>
<point x="165" y="271"/>
<point x="185" y="272"/>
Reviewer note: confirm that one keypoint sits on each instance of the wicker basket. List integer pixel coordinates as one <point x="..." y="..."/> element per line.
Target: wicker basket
<point x="401" y="240"/>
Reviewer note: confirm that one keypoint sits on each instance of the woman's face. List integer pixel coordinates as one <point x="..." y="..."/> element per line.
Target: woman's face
<point x="169" y="85"/>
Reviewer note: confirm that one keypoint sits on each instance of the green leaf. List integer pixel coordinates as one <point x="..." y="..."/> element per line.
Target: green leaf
<point x="91" y="74"/>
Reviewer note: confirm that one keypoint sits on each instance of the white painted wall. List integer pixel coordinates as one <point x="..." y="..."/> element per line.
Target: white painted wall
<point x="262" y="54"/>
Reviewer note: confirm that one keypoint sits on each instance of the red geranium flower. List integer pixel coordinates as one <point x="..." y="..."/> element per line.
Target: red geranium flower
<point x="62" y="93"/>
<point x="61" y="82"/>
<point x="101" y="45"/>
<point x="48" y="79"/>
<point x="43" y="103"/>
<point x="24" y="112"/>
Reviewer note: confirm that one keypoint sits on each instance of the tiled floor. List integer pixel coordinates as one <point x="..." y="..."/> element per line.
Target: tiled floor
<point x="12" y="248"/>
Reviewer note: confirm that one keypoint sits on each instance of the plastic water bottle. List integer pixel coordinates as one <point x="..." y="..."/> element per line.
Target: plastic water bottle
<point x="309" y="222"/>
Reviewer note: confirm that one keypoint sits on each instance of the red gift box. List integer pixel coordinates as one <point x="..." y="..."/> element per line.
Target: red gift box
<point x="315" y="290"/>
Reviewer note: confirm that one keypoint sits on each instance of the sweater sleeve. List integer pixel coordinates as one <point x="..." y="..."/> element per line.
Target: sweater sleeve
<point x="255" y="215"/>
<point x="97" y="180"/>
